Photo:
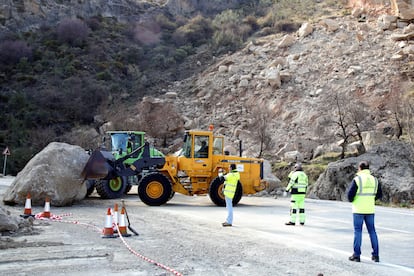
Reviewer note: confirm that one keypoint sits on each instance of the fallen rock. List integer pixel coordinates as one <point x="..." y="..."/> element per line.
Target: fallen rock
<point x="55" y="173"/>
<point x="390" y="162"/>
<point x="7" y="222"/>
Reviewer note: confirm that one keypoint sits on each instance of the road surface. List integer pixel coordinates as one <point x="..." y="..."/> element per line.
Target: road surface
<point x="185" y="237"/>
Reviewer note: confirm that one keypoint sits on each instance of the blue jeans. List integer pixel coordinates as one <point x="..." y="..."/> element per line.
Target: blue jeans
<point x="370" y="224"/>
<point x="229" y="207"/>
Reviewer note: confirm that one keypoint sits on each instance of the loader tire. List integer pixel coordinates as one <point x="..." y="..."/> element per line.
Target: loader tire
<point x="216" y="192"/>
<point x="113" y="188"/>
<point x="155" y="189"/>
<point x="238" y="195"/>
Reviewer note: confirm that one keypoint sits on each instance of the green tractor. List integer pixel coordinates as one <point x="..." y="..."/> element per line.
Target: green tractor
<point x="113" y="172"/>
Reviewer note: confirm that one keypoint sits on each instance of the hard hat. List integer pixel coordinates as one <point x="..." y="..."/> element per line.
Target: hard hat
<point x="298" y="167"/>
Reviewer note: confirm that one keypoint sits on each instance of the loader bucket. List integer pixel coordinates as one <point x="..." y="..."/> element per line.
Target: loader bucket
<point x="97" y="166"/>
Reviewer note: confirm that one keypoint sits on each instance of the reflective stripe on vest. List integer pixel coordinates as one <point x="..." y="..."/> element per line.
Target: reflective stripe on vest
<point x="362" y="192"/>
<point x="231" y="184"/>
<point x="299" y="181"/>
<point x="364" y="201"/>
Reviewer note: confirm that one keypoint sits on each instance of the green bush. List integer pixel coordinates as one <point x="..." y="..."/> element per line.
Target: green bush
<point x="226" y="40"/>
<point x="180" y="54"/>
<point x="165" y="23"/>
<point x="230" y="31"/>
<point x="196" y="32"/>
<point x="104" y="75"/>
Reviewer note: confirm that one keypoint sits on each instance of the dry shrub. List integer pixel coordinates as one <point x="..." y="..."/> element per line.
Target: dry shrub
<point x="148" y="32"/>
<point x="12" y="51"/>
<point x="72" y="31"/>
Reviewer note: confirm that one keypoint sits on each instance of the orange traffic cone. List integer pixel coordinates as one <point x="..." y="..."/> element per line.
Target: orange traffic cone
<point x="122" y="224"/>
<point x="28" y="207"/>
<point x="46" y="212"/>
<point x="108" y="231"/>
<point x="115" y="221"/>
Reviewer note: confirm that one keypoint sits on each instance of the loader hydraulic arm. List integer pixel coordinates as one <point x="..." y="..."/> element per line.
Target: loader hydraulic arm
<point x="144" y="162"/>
<point x="129" y="155"/>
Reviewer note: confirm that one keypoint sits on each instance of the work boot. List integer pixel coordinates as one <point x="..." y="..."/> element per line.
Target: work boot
<point x="355" y="258"/>
<point x="375" y="259"/>
<point x="226" y="224"/>
<point x="290" y="223"/>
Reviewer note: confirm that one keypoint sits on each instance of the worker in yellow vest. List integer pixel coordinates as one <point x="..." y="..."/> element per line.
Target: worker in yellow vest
<point x="363" y="192"/>
<point x="230" y="186"/>
<point x="297" y="186"/>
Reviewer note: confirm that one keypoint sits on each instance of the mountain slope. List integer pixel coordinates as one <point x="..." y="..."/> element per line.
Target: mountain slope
<point x="359" y="61"/>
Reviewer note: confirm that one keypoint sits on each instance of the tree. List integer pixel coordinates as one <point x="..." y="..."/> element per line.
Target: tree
<point x="408" y="111"/>
<point x="259" y="128"/>
<point x="341" y="121"/>
<point x="394" y="103"/>
<point x="160" y="120"/>
<point x="359" y="119"/>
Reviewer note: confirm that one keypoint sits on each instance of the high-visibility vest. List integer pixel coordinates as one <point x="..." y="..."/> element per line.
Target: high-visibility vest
<point x="230" y="185"/>
<point x="364" y="200"/>
<point x="298" y="182"/>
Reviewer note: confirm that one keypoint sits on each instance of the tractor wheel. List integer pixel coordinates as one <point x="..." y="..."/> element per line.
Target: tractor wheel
<point x="113" y="188"/>
<point x="154" y="189"/>
<point x="216" y="192"/>
<point x="90" y="186"/>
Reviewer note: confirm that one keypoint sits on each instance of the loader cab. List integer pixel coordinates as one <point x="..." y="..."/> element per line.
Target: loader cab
<point x="198" y="150"/>
<point x="199" y="145"/>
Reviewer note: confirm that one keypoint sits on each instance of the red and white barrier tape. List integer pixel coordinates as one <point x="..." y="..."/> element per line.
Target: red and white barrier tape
<point x="59" y="218"/>
<point x="146" y="258"/>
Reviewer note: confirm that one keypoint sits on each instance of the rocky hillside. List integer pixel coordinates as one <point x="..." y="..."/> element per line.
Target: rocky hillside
<point x="295" y="82"/>
<point x="294" y="78"/>
<point x="27" y="15"/>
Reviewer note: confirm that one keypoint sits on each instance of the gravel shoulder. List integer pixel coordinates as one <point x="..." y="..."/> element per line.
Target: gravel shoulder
<point x="184" y="237"/>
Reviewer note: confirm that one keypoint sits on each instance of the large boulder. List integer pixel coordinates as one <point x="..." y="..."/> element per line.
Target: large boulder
<point x="55" y="173"/>
<point x="390" y="162"/>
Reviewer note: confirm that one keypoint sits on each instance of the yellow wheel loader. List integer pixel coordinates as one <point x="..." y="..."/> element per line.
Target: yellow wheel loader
<point x="195" y="170"/>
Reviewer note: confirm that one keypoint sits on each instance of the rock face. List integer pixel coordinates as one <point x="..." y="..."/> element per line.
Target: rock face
<point x="29" y="14"/>
<point x="55" y="173"/>
<point x="188" y="7"/>
<point x="390" y="162"/>
<point x="295" y="82"/>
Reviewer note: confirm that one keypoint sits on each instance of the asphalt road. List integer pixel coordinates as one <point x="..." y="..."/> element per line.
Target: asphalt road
<point x="328" y="228"/>
<point x="185" y="237"/>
